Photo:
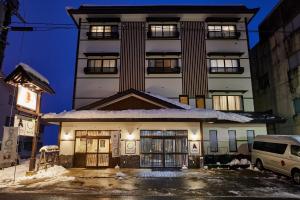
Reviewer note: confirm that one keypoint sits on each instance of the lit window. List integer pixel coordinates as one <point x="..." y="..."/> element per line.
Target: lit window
<point x="184" y="99"/>
<point x="231" y="103"/>
<point x="168" y="63"/>
<point x="224" y="65"/>
<point x="104" y="31"/>
<point x="224" y="31"/>
<point x="102" y="63"/>
<point x="163" y="31"/>
<point x="200" y="101"/>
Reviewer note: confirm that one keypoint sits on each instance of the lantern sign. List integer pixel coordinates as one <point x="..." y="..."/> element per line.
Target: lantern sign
<point x="26" y="125"/>
<point x="27" y="98"/>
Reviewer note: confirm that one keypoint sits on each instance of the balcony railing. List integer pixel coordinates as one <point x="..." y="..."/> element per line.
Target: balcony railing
<point x="103" y="35"/>
<point x="226" y="70"/>
<point x="165" y="35"/>
<point x="163" y="70"/>
<point x="223" y="35"/>
<point x="101" y="70"/>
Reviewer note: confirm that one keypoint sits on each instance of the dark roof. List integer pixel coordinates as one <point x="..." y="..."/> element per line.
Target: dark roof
<point x="20" y="75"/>
<point x="261" y="117"/>
<point x="174" y="9"/>
<point x="127" y="92"/>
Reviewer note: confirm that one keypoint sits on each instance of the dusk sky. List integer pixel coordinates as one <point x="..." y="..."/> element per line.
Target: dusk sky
<point x="52" y="51"/>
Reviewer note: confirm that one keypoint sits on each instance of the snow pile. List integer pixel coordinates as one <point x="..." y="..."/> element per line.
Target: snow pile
<point x="145" y="114"/>
<point x="47" y="176"/>
<point x="33" y="72"/>
<point x="239" y="162"/>
<point x="49" y="148"/>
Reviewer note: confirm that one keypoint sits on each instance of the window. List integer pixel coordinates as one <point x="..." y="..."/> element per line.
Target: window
<point x="297" y="105"/>
<point x="184" y="99"/>
<point x="270" y="147"/>
<point x="224" y="65"/>
<point x="102" y="63"/>
<point x="295" y="150"/>
<point x="200" y="101"/>
<point x="166" y="31"/>
<point x="213" y="141"/>
<point x="232" y="141"/>
<point x="222" y="31"/>
<point x="250" y="138"/>
<point x="104" y="31"/>
<point x="170" y="63"/>
<point x="230" y="103"/>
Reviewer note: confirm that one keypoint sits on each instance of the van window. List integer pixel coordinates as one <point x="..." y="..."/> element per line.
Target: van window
<point x="270" y="147"/>
<point x="295" y="150"/>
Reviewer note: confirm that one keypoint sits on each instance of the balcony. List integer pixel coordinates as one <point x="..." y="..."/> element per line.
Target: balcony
<point x="163" y="70"/>
<point x="223" y="35"/>
<point x="101" y="70"/>
<point x="164" y="36"/>
<point x="103" y="36"/>
<point x="226" y="70"/>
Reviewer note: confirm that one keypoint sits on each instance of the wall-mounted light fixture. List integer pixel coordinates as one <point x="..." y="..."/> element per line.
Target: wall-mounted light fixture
<point x="130" y="136"/>
<point x="66" y="136"/>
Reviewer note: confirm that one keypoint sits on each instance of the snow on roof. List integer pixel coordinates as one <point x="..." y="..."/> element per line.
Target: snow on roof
<point x="33" y="72"/>
<point x="49" y="148"/>
<point x="145" y="114"/>
<point x="184" y="106"/>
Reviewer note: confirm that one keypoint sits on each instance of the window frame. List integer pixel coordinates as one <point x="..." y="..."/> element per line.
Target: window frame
<point x="163" y="61"/>
<point x="200" y="97"/>
<point x="153" y="36"/>
<point x="182" y="96"/>
<point x="101" y="59"/>
<point x="250" y="144"/>
<point x="217" y="142"/>
<point x="268" y="148"/>
<point x="235" y="141"/>
<point x="292" y="152"/>
<point x="241" y="98"/>
<point x="97" y="35"/>
<point x="222" y="35"/>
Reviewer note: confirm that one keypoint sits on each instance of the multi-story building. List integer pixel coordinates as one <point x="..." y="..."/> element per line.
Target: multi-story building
<point x="275" y="62"/>
<point x="154" y="85"/>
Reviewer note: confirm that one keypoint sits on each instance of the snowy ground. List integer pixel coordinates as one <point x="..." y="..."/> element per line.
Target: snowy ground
<point x="59" y="183"/>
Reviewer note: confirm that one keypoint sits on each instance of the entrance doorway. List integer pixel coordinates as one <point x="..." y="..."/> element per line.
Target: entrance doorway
<point x="164" y="148"/>
<point x="92" y="149"/>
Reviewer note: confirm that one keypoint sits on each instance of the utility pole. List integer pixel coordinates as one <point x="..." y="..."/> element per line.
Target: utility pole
<point x="8" y="7"/>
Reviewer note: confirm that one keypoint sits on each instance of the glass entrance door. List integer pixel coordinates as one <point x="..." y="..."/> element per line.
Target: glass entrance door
<point x="163" y="150"/>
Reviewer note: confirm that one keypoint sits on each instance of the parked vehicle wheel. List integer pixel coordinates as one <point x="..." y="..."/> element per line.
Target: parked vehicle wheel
<point x="259" y="164"/>
<point x="296" y="177"/>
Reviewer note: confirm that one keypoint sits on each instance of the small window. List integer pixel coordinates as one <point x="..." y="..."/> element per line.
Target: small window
<point x="102" y="63"/>
<point x="297" y="105"/>
<point x="229" y="103"/>
<point x="232" y="141"/>
<point x="104" y="31"/>
<point x="213" y="141"/>
<point x="184" y="99"/>
<point x="295" y="150"/>
<point x="250" y="139"/>
<point x="200" y="101"/>
<point x="222" y="31"/>
<point x="163" y="31"/>
<point x="166" y="62"/>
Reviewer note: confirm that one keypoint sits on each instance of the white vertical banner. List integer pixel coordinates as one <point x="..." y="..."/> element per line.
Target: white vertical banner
<point x="115" y="140"/>
<point x="9" y="145"/>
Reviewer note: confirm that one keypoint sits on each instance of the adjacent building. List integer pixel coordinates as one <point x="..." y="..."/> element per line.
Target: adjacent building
<point x="275" y="63"/>
<point x="159" y="86"/>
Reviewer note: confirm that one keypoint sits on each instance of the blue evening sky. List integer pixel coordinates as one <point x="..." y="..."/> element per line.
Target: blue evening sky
<point x="52" y="52"/>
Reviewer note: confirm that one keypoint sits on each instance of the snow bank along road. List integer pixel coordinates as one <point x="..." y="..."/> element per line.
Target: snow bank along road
<point x="60" y="183"/>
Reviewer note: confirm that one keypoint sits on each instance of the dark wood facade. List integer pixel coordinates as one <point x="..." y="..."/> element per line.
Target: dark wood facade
<point x="194" y="69"/>
<point x="132" y="72"/>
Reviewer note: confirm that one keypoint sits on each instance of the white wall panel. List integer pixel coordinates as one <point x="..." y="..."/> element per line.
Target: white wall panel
<point x="166" y="87"/>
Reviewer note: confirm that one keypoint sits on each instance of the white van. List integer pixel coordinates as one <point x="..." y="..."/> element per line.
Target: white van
<point x="278" y="153"/>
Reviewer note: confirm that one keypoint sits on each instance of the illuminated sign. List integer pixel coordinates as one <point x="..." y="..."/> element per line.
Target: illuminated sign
<point x="26" y="125"/>
<point x="27" y="98"/>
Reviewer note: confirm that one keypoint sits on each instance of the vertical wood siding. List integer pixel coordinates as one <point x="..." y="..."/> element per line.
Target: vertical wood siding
<point x="132" y="68"/>
<point x="194" y="69"/>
